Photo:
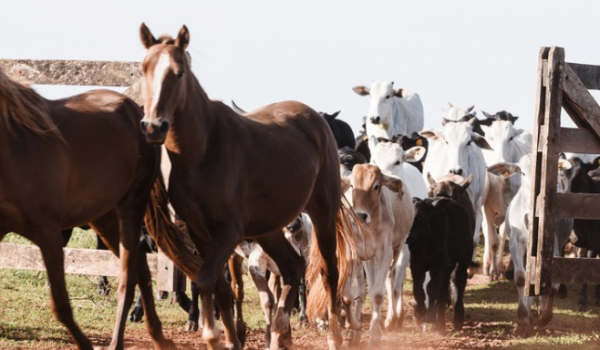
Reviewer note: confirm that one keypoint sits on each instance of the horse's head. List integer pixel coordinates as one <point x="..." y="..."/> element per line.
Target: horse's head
<point x="165" y="69"/>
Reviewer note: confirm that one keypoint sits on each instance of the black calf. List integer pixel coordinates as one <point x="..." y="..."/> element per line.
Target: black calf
<point x="440" y="240"/>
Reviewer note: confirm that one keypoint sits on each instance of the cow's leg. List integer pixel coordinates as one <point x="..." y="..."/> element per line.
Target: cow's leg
<point x="377" y="273"/>
<point x="490" y="263"/>
<point x="477" y="233"/>
<point x="518" y="247"/>
<point x="397" y="316"/>
<point x="547" y="306"/>
<point x="436" y="292"/>
<point x="237" y="286"/>
<point x="503" y="232"/>
<point x="418" y="275"/>
<point x="460" y="282"/>
<point x="359" y="289"/>
<point x="291" y="267"/>
<point x="257" y="266"/>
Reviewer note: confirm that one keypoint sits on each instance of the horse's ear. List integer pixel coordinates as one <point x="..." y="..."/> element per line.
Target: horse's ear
<point x="183" y="38"/>
<point x="148" y="40"/>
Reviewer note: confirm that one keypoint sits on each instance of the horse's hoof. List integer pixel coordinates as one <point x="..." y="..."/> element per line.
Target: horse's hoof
<point x="241" y="332"/>
<point x="167" y="344"/>
<point x="192" y="326"/>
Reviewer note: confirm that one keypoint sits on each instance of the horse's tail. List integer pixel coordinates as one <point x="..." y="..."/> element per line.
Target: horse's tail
<point x="346" y="252"/>
<point x="174" y="242"/>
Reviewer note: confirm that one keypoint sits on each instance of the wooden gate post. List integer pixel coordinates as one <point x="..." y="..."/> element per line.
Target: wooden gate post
<point x="546" y="138"/>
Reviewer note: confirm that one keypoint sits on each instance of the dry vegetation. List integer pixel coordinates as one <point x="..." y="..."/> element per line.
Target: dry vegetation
<point x="27" y="323"/>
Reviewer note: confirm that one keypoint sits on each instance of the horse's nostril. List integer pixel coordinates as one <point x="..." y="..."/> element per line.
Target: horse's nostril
<point x="164" y="126"/>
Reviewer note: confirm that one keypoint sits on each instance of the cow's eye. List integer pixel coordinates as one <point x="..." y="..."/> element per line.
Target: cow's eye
<point x="387" y="97"/>
<point x="376" y="187"/>
<point x="469" y="143"/>
<point x="511" y="138"/>
<point x="397" y="163"/>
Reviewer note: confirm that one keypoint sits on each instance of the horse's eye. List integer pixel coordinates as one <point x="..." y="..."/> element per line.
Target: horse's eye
<point x="180" y="73"/>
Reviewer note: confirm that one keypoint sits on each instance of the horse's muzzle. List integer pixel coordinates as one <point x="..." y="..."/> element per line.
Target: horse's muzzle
<point x="154" y="133"/>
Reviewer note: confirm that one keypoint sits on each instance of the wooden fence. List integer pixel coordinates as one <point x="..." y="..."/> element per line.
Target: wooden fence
<point x="561" y="85"/>
<point x="84" y="261"/>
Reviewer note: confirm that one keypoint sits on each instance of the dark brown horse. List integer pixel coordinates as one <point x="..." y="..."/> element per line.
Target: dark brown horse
<point x="237" y="177"/>
<point x="70" y="162"/>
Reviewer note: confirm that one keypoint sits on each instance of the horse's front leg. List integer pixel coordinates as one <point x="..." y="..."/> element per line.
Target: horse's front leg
<point x="213" y="287"/>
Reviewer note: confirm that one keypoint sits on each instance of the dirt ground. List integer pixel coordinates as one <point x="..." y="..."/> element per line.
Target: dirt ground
<point x="474" y="335"/>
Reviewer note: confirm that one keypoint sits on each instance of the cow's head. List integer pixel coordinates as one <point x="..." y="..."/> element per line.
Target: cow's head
<point x="460" y="143"/>
<point x="389" y="156"/>
<point x="366" y="184"/>
<point x="348" y="159"/>
<point x="449" y="186"/>
<point x="382" y="95"/>
<point x="503" y="137"/>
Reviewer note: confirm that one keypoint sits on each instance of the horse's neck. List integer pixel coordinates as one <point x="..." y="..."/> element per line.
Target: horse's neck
<point x="189" y="134"/>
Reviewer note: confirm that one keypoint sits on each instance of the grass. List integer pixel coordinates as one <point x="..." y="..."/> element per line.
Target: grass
<point x="27" y="322"/>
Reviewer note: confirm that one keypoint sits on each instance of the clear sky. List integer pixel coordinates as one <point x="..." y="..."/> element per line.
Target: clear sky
<point x="467" y="52"/>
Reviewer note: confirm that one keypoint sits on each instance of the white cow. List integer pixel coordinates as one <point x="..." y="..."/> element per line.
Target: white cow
<point x="385" y="206"/>
<point x="517" y="223"/>
<point x="509" y="145"/>
<point x="457" y="149"/>
<point x="390" y="157"/>
<point x="391" y="111"/>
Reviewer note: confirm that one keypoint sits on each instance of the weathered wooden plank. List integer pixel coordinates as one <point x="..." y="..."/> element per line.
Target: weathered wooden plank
<point x="72" y="72"/>
<point x="170" y="278"/>
<point x="536" y="159"/>
<point x="588" y="74"/>
<point x="578" y="206"/>
<point x="580" y="104"/>
<point x="575" y="270"/>
<point x="578" y="141"/>
<point x="548" y="177"/>
<point x="77" y="261"/>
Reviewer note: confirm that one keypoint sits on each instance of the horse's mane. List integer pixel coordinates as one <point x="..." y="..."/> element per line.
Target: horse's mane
<point x="21" y="106"/>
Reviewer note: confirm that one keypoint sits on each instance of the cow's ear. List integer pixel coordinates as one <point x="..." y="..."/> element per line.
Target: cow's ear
<point x="564" y="164"/>
<point x="362" y="90"/>
<point x="393" y="183"/>
<point x="504" y="169"/>
<point x="399" y="93"/>
<point x="596" y="162"/>
<point x="414" y="154"/>
<point x="416" y="200"/>
<point x="440" y="203"/>
<point x="430" y="179"/>
<point x="513" y="119"/>
<point x="480" y="141"/>
<point x="486" y="114"/>
<point x="465" y="184"/>
<point x="430" y="134"/>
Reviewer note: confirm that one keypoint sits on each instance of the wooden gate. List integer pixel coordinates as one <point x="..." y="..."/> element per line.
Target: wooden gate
<point x="560" y="85"/>
<point x="84" y="73"/>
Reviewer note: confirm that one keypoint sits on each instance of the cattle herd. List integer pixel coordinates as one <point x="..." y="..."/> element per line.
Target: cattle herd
<point x="268" y="186"/>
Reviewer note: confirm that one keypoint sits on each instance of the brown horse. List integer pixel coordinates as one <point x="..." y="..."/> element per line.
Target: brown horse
<point x="237" y="177"/>
<point x="75" y="161"/>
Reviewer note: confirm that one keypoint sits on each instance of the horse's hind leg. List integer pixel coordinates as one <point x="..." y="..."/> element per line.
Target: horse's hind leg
<point x="291" y="266"/>
<point x="258" y="272"/>
<point x="52" y="254"/>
